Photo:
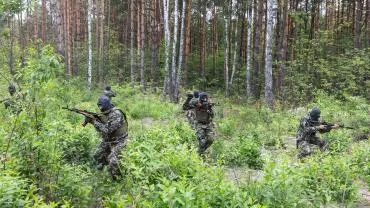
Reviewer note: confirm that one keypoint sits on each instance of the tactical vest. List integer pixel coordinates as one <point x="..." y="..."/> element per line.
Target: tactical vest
<point x="202" y="116"/>
<point x="124" y="127"/>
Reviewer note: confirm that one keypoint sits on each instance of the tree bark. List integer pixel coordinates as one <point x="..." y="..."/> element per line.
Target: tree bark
<point x="187" y="41"/>
<point x="203" y="16"/>
<point x="226" y="55"/>
<point x="132" y="66"/>
<point x="181" y="50"/>
<point x="154" y="42"/>
<point x="269" y="97"/>
<point x="89" y="60"/>
<point x="357" y="24"/>
<point x="249" y="48"/>
<point x="174" y="53"/>
<point x="44" y="21"/>
<point x="282" y="56"/>
<point x="142" y="40"/>
<point x="167" y="47"/>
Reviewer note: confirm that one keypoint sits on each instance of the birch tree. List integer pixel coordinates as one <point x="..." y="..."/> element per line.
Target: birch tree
<point x="249" y="48"/>
<point x="226" y="55"/>
<point x="142" y="43"/>
<point x="174" y="54"/>
<point x="89" y="62"/>
<point x="167" y="46"/>
<point x="269" y="97"/>
<point x="181" y="50"/>
<point x="132" y="67"/>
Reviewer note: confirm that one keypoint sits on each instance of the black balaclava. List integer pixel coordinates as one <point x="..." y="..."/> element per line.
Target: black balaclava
<point x="104" y="103"/>
<point x="196" y="94"/>
<point x="11" y="89"/>
<point x="315" y="114"/>
<point x="203" y="97"/>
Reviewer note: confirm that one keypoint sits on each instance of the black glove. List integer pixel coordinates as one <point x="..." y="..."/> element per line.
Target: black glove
<point x="190" y="95"/>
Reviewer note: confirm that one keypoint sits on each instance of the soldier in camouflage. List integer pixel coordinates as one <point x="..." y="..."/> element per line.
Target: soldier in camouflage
<point x="114" y="131"/>
<point x="306" y="134"/>
<point x="190" y="113"/>
<point x="203" y="121"/>
<point x="13" y="102"/>
<point x="108" y="92"/>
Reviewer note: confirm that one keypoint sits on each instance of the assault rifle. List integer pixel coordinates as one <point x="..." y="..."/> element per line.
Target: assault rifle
<point x="88" y="115"/>
<point x="330" y="125"/>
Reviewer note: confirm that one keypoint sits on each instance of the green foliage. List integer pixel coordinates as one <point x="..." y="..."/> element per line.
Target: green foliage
<point x="13" y="191"/>
<point x="243" y="152"/>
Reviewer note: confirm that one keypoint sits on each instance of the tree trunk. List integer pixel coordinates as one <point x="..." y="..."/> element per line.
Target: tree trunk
<point x="132" y="66"/>
<point x="142" y="41"/>
<point x="154" y="43"/>
<point x="167" y="47"/>
<point x="44" y="21"/>
<point x="174" y="53"/>
<point x="249" y="48"/>
<point x="181" y="50"/>
<point x="202" y="66"/>
<point x="235" y="49"/>
<point x="269" y="97"/>
<point x="358" y="20"/>
<point x="226" y="55"/>
<point x="89" y="62"/>
<point x="35" y="24"/>
<point x="282" y="56"/>
<point x="256" y="51"/>
<point x="187" y="41"/>
<point x="368" y="24"/>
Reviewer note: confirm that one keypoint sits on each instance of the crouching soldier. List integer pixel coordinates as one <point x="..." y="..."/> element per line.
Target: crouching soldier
<point x="307" y="132"/>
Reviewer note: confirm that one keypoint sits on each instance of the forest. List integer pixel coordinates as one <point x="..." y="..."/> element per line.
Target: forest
<point x="265" y="64"/>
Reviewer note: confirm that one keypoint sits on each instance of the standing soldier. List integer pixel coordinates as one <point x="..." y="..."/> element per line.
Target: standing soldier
<point x="114" y="130"/>
<point x="203" y="121"/>
<point x="108" y="92"/>
<point x="190" y="113"/>
<point x="306" y="134"/>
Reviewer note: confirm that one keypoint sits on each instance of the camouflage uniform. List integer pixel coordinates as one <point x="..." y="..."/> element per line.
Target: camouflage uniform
<point x="203" y="123"/>
<point x="13" y="103"/>
<point x="113" y="129"/>
<point x="306" y="135"/>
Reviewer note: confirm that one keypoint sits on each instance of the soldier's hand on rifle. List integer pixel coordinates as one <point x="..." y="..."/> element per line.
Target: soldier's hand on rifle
<point x="88" y="120"/>
<point x="322" y="127"/>
<point x="335" y="126"/>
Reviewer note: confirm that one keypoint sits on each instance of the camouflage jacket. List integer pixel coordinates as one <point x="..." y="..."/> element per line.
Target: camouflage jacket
<point x="308" y="128"/>
<point x="113" y="126"/>
<point x="203" y="113"/>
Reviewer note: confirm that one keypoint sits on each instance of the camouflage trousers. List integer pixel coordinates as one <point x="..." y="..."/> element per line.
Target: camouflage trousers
<point x="205" y="136"/>
<point x="304" y="145"/>
<point x="108" y="154"/>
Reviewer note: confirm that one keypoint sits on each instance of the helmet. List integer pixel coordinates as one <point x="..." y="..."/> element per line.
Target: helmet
<point x="108" y="88"/>
<point x="104" y="103"/>
<point x="315" y="113"/>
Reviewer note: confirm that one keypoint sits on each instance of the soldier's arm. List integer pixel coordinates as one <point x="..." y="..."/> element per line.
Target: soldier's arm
<point x="194" y="103"/>
<point x="308" y="128"/>
<point x="113" y="123"/>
